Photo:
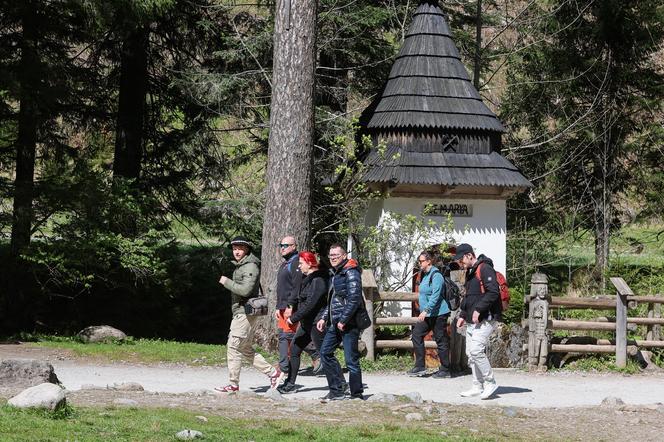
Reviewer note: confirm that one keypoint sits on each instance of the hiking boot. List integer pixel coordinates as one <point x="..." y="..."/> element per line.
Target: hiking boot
<point x="317" y="367"/>
<point x="276" y="377"/>
<point x="359" y="396"/>
<point x="345" y="387"/>
<point x="489" y="390"/>
<point x="227" y="389"/>
<point x="416" y="372"/>
<point x="441" y="374"/>
<point x="287" y="388"/>
<point x="333" y="397"/>
<point x="475" y="391"/>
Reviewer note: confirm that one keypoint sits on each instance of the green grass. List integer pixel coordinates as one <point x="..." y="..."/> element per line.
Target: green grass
<point x="141" y="350"/>
<point x="600" y="363"/>
<point x="153" y="351"/>
<point x="136" y="424"/>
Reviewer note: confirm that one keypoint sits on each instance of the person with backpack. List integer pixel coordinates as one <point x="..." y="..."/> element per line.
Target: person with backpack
<point x="480" y="309"/>
<point x="434" y="313"/>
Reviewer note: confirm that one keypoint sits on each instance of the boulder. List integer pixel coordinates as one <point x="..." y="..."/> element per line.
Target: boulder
<point x="101" y="333"/>
<point x="127" y="386"/>
<point x="505" y="349"/>
<point x="46" y="395"/>
<point x="188" y="434"/>
<point x="414" y="397"/>
<point x="26" y="372"/>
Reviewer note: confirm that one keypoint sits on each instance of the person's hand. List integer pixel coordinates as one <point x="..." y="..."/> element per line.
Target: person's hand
<point x="341" y="326"/>
<point x="288" y="313"/>
<point x="223" y="280"/>
<point x="320" y="325"/>
<point x="476" y="317"/>
<point x="422" y="316"/>
<point x="288" y="321"/>
<point x="461" y="322"/>
<point x="277" y="314"/>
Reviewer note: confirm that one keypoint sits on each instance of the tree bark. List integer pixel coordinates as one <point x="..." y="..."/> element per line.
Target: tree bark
<point x="26" y="141"/>
<point x="477" y="67"/>
<point x="131" y="105"/>
<point x="290" y="148"/>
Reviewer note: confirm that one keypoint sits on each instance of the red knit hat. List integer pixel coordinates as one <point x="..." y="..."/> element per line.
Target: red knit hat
<point x="309" y="258"/>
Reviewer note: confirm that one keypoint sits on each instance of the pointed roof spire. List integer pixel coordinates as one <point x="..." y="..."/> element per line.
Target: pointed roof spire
<point x="429" y="86"/>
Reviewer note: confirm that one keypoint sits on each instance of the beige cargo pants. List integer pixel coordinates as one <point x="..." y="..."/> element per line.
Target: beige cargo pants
<point x="240" y="348"/>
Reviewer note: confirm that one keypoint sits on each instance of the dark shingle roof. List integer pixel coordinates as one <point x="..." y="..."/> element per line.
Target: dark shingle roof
<point x="449" y="169"/>
<point x="428" y="86"/>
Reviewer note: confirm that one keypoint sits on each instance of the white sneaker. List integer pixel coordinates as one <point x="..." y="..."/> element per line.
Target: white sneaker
<point x="489" y="389"/>
<point x="475" y="391"/>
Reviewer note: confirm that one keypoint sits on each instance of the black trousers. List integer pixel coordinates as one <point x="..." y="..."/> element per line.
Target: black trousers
<point x="305" y="334"/>
<point x="439" y="326"/>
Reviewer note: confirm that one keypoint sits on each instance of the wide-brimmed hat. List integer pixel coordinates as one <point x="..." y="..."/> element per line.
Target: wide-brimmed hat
<point x="241" y="241"/>
<point x="461" y="250"/>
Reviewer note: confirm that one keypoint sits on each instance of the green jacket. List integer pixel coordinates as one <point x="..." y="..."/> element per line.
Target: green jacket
<point x="244" y="284"/>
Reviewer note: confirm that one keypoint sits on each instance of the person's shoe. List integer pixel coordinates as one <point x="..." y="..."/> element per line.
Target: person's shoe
<point x="441" y="374"/>
<point x="359" y="396"/>
<point x="475" y="391"/>
<point x="416" y="372"/>
<point x="317" y="367"/>
<point x="489" y="390"/>
<point x="345" y="387"/>
<point x="333" y="397"/>
<point x="287" y="388"/>
<point x="227" y="389"/>
<point x="276" y="377"/>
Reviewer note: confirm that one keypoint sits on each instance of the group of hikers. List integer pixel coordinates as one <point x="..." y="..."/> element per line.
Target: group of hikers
<point x="317" y="309"/>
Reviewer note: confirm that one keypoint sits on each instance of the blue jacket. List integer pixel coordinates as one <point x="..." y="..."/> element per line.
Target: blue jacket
<point x="344" y="296"/>
<point x="432" y="294"/>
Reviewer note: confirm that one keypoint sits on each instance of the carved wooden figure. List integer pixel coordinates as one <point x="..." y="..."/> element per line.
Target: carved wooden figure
<point x="538" y="318"/>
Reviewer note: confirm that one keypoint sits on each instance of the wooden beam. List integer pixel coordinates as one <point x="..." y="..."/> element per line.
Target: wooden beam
<point x="398" y="320"/>
<point x="557" y="324"/>
<point x="648" y="299"/>
<point x="622" y="287"/>
<point x="404" y="345"/>
<point x="623" y="291"/>
<point x="601" y="304"/>
<point x="397" y="296"/>
<point x="582" y="348"/>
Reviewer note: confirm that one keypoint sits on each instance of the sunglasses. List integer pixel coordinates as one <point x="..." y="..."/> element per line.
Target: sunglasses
<point x="422" y="260"/>
<point x="285" y="246"/>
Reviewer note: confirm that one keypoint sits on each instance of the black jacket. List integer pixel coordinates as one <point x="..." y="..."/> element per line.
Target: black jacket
<point x="487" y="303"/>
<point x="344" y="295"/>
<point x="289" y="278"/>
<point x="310" y="299"/>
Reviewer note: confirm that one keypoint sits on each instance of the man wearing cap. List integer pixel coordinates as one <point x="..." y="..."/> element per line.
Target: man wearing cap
<point x="243" y="285"/>
<point x="289" y="278"/>
<point x="480" y="308"/>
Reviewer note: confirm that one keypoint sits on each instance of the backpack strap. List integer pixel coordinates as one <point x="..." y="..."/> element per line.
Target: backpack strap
<point x="479" y="277"/>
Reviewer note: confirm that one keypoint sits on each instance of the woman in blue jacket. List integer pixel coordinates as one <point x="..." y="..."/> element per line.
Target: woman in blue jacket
<point x="434" y="313"/>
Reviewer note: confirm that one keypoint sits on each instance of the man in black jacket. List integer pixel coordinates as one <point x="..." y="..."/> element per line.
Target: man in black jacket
<point x="480" y="308"/>
<point x="337" y="318"/>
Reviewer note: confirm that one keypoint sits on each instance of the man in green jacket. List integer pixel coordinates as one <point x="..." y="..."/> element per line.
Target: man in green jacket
<point x="243" y="286"/>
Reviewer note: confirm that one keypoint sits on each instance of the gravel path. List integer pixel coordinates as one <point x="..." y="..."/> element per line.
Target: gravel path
<point x="517" y="388"/>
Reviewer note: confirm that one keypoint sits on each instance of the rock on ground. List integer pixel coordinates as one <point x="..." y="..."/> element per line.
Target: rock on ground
<point x="101" y="333"/>
<point x="127" y="386"/>
<point x="46" y="395"/>
<point x="125" y="401"/>
<point x="26" y="372"/>
<point x="188" y="434"/>
<point x="612" y="401"/>
<point x="414" y="396"/>
<point x="413" y="417"/>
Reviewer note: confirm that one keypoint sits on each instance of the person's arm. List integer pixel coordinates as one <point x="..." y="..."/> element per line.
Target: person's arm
<point x="437" y="286"/>
<point x="353" y="295"/>
<point x="245" y="287"/>
<point x="491" y="293"/>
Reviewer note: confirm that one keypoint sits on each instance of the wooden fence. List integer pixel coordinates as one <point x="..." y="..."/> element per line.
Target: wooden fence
<point x="619" y="304"/>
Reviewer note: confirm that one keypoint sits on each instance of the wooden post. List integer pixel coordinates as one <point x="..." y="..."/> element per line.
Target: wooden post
<point x="370" y="290"/>
<point x="623" y="291"/>
<point x="653" y="327"/>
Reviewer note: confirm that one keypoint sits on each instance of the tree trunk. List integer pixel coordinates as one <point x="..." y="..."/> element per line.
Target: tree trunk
<point x="290" y="150"/>
<point x="131" y="105"/>
<point x="26" y="141"/>
<point x="477" y="67"/>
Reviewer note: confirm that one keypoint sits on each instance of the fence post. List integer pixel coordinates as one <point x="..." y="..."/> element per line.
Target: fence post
<point x="370" y="290"/>
<point x="623" y="291"/>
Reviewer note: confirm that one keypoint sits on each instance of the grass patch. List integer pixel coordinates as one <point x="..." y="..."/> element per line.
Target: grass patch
<point x="600" y="363"/>
<point x="140" y="350"/>
<point x="136" y="424"/>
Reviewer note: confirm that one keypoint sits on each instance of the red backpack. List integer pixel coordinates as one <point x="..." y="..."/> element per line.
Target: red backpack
<point x="502" y="285"/>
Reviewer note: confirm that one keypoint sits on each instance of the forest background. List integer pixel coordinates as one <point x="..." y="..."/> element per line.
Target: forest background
<point x="134" y="142"/>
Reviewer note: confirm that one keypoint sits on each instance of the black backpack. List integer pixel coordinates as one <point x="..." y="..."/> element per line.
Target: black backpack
<point x="452" y="293"/>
